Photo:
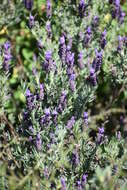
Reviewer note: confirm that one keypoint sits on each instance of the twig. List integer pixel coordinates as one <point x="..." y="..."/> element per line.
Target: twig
<point x="9" y="125"/>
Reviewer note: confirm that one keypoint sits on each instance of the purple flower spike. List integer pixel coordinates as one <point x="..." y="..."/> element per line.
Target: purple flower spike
<point x="62" y="40"/>
<point x="103" y="41"/>
<point x="28" y="4"/>
<point x="31" y="129"/>
<point x="72" y="85"/>
<point x="87" y="37"/>
<point x="92" y="77"/>
<point x="82" y="8"/>
<point x="70" y="123"/>
<point x="7" y="46"/>
<point x="84" y="180"/>
<point x="6" y="55"/>
<point x="29" y="100"/>
<point x="117" y="3"/>
<point x="48" y="8"/>
<point x="31" y="21"/>
<point x="28" y="93"/>
<point x="120" y="43"/>
<point x="80" y="60"/>
<point x="48" y="55"/>
<point x="75" y="158"/>
<point x="63" y="184"/>
<point x="85" y="116"/>
<point x="48" y="29"/>
<point x="121" y="16"/>
<point x="55" y="115"/>
<point x="119" y="135"/>
<point x="97" y="62"/>
<point x="38" y="142"/>
<point x="95" y="21"/>
<point x="100" y="135"/>
<point x="48" y="64"/>
<point x="62" y="49"/>
<point x="41" y="95"/>
<point x="30" y="138"/>
<point x="79" y="185"/>
<point x="47" y="111"/>
<point x="40" y="44"/>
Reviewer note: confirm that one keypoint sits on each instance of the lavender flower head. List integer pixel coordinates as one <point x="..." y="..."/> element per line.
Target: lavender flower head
<point x="62" y="49"/>
<point x="80" y="60"/>
<point x="97" y="62"/>
<point x="120" y="43"/>
<point x="100" y="135"/>
<point x="117" y="3"/>
<point x="72" y="85"/>
<point x="84" y="179"/>
<point x="62" y="40"/>
<point x="48" y="29"/>
<point x="121" y="16"/>
<point x="6" y="55"/>
<point x="63" y="184"/>
<point x="75" y="157"/>
<point x="39" y="44"/>
<point x="62" y="101"/>
<point x="48" y="8"/>
<point x="48" y="63"/>
<point x="55" y="115"/>
<point x="79" y="185"/>
<point x="70" y="123"/>
<point x="29" y="100"/>
<point x="95" y="21"/>
<point x="45" y="119"/>
<point x="118" y="135"/>
<point x="7" y="45"/>
<point x="92" y="77"/>
<point x="38" y="142"/>
<point x="48" y="55"/>
<point x="31" y="129"/>
<point x="69" y="45"/>
<point x="103" y="41"/>
<point x="85" y="116"/>
<point x="87" y="37"/>
<point x="82" y="8"/>
<point x="28" y="4"/>
<point x="31" y="21"/>
<point x="41" y="94"/>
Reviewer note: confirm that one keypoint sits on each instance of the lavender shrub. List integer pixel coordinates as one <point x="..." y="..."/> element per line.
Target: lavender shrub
<point x="63" y="146"/>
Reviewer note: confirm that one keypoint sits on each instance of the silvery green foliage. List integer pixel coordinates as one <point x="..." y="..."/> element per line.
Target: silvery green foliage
<point x="59" y="151"/>
<point x="4" y="93"/>
<point x="10" y="12"/>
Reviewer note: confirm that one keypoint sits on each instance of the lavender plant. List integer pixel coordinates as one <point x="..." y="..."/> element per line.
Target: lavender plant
<point x="66" y="146"/>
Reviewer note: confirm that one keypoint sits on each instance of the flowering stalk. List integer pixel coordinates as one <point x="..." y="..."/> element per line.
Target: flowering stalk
<point x="62" y="49"/>
<point x="31" y="21"/>
<point x="87" y="37"/>
<point x="28" y="4"/>
<point x="85" y="116"/>
<point x="97" y="62"/>
<point x="48" y="8"/>
<point x="103" y="41"/>
<point x="80" y="60"/>
<point x="38" y="142"/>
<point x="6" y="55"/>
<point x="62" y="101"/>
<point x="92" y="77"/>
<point x="63" y="184"/>
<point x="82" y="8"/>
